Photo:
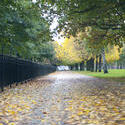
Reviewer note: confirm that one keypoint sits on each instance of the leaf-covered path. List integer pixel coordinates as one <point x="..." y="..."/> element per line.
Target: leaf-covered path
<point x="64" y="98"/>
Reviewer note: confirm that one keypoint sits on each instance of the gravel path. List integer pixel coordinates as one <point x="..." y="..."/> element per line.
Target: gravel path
<point x="64" y="98"/>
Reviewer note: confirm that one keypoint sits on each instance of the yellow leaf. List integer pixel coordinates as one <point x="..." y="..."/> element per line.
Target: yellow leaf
<point x="70" y="108"/>
<point x="66" y="109"/>
<point x="1" y="113"/>
<point x="16" y="118"/>
<point x="12" y="123"/>
<point x="42" y="120"/>
<point x="70" y="101"/>
<point x="80" y="113"/>
<point x="72" y="116"/>
<point x="123" y="118"/>
<point x="19" y="109"/>
<point x="34" y="102"/>
<point x="103" y="108"/>
<point x="5" y="120"/>
<point x="77" y="118"/>
<point x="92" y="116"/>
<point x="13" y="112"/>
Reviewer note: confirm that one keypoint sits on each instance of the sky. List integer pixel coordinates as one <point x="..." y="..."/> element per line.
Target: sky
<point x="54" y="24"/>
<point x="57" y="37"/>
<point x="34" y="1"/>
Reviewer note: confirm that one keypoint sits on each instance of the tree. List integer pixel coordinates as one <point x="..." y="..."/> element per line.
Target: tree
<point x="104" y="16"/>
<point x="24" y="31"/>
<point x="66" y="52"/>
<point x="94" y="41"/>
<point x="84" y="52"/>
<point x="112" y="53"/>
<point x="121" y="61"/>
<point x="75" y="15"/>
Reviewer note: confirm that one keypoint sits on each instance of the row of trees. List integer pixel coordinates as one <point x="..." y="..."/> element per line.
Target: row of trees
<point x="93" y="29"/>
<point x="101" y="23"/>
<point x="76" y="53"/>
<point x="25" y="30"/>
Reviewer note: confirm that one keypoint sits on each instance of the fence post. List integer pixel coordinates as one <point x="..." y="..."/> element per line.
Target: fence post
<point x="2" y="74"/>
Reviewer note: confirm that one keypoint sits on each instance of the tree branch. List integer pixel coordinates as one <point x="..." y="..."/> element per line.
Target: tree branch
<point x="86" y="10"/>
<point x="102" y="26"/>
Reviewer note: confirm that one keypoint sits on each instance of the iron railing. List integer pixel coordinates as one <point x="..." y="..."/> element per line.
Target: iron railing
<point x="15" y="70"/>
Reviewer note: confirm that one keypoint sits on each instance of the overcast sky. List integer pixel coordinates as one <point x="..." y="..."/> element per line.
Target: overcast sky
<point x="57" y="37"/>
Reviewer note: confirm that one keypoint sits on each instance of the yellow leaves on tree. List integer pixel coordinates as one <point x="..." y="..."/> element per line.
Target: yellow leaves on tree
<point x="66" y="52"/>
<point x="113" y="54"/>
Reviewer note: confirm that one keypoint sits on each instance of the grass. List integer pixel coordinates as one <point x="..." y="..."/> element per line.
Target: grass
<point x="113" y="75"/>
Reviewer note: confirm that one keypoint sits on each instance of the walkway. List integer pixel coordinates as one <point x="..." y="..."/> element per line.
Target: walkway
<point x="64" y="98"/>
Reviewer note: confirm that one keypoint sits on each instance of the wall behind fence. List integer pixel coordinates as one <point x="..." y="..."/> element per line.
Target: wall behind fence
<point x="15" y="70"/>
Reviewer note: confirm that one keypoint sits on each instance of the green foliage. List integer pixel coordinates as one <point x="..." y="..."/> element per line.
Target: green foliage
<point x="122" y="56"/>
<point x="24" y="32"/>
<point x="105" y="15"/>
<point x="105" y="18"/>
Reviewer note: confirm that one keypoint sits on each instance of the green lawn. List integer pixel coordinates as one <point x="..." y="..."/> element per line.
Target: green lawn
<point x="113" y="75"/>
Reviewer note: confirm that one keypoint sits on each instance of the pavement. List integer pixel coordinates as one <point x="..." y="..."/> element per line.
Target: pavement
<point x="64" y="98"/>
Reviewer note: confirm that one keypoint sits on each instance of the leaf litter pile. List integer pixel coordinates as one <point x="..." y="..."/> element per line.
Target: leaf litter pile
<point x="64" y="98"/>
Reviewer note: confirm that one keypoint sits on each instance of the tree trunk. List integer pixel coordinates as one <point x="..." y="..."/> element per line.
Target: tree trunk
<point x="88" y="65"/>
<point x="76" y="66"/>
<point x="71" y="67"/>
<point x="96" y="64"/>
<point x="117" y="65"/>
<point x="92" y="64"/>
<point x="105" y="69"/>
<point x="2" y="74"/>
<point x="121" y="66"/>
<point x="82" y="66"/>
<point x="100" y="63"/>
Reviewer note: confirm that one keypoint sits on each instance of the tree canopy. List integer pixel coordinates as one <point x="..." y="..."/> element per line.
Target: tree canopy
<point x="24" y="30"/>
<point x="109" y="16"/>
<point x="90" y="28"/>
<point x="66" y="52"/>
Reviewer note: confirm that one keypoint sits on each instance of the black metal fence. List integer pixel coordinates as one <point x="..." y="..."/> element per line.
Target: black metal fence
<point x="15" y="70"/>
